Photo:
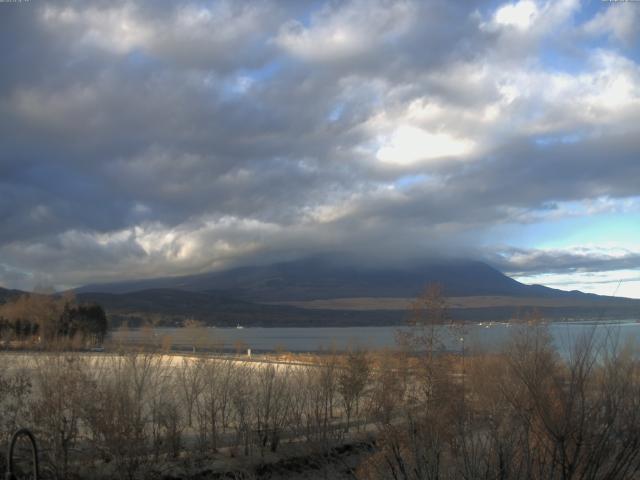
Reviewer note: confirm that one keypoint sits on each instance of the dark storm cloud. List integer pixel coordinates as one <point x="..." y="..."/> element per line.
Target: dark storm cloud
<point x="153" y="138"/>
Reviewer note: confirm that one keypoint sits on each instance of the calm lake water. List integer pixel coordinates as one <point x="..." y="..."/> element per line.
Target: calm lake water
<point x="487" y="337"/>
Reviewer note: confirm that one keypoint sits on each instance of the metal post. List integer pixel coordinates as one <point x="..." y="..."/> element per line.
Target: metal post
<point x="10" y="475"/>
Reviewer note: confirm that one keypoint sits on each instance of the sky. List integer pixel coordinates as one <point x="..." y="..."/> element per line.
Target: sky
<point x="156" y="138"/>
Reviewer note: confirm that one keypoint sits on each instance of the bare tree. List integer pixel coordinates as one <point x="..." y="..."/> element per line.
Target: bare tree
<point x="190" y="375"/>
<point x="60" y="382"/>
<point x="271" y="404"/>
<point x="121" y="409"/>
<point x="352" y="380"/>
<point x="240" y="396"/>
<point x="212" y="403"/>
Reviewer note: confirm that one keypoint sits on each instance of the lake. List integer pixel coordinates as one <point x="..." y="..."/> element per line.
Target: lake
<point x="487" y="337"/>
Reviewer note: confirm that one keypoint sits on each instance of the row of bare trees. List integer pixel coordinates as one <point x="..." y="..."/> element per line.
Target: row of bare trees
<point x="137" y="412"/>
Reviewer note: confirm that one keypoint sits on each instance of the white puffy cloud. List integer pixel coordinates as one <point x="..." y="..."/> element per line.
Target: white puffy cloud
<point x="338" y="32"/>
<point x="409" y="145"/>
<point x="115" y="28"/>
<point x="520" y="15"/>
<point x="620" y="22"/>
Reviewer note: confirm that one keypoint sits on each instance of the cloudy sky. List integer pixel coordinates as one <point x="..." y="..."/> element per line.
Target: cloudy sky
<point x="146" y="138"/>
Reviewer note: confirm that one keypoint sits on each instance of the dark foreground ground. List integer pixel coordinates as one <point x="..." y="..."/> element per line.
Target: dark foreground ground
<point x="340" y="463"/>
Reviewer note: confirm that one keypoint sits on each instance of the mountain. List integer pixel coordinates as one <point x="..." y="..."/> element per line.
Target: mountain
<point x="327" y="291"/>
<point x="6" y="294"/>
<point x="322" y="278"/>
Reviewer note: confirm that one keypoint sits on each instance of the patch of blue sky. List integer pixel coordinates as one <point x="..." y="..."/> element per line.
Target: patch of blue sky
<point x="306" y="17"/>
<point x="139" y="59"/>
<point x="336" y="112"/>
<point x="408" y="181"/>
<point x="589" y="9"/>
<point x="236" y="86"/>
<point x="266" y="72"/>
<point x="602" y="222"/>
<point x="241" y="81"/>
<point x="570" y="62"/>
<point x="551" y="140"/>
<point x="606" y="229"/>
<point x="522" y="235"/>
<point x="576" y="228"/>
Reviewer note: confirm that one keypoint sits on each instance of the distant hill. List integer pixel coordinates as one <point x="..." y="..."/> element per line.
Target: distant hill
<point x="6" y="294"/>
<point x="325" y="291"/>
<point x="329" y="292"/>
<point x="321" y="278"/>
<point x="172" y="307"/>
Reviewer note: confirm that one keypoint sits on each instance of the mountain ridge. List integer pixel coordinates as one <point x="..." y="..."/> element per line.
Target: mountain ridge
<point x="327" y="292"/>
<point x="318" y="278"/>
